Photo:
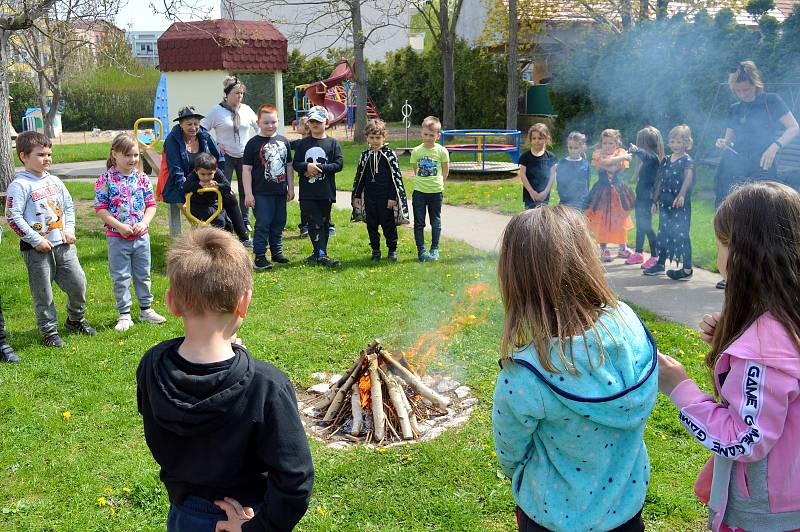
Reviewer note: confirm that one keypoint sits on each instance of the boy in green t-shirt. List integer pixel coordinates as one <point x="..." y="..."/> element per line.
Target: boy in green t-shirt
<point x="431" y="164"/>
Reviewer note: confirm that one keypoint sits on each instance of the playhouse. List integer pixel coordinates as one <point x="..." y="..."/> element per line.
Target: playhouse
<point x="33" y="120"/>
<point x="195" y="57"/>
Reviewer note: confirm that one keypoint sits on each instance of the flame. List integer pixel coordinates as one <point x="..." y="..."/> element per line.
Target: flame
<point x="364" y="388"/>
<point x="424" y="350"/>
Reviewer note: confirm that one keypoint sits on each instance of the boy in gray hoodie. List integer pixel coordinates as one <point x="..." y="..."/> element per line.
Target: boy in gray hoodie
<point x="39" y="209"/>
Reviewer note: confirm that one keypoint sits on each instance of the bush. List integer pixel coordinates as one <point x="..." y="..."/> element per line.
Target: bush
<point x="24" y="96"/>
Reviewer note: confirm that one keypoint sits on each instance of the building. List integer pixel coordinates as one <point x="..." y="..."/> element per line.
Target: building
<point x="144" y="45"/>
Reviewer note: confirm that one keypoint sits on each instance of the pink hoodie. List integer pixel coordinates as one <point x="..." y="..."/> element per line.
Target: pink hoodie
<point x="754" y="431"/>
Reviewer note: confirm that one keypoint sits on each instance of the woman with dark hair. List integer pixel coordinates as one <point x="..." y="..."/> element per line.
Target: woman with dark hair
<point x="759" y="126"/>
<point x="231" y="121"/>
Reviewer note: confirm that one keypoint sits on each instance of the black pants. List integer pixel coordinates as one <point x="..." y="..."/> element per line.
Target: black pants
<point x="232" y="222"/>
<point x="378" y="215"/>
<point x="318" y="215"/>
<point x="432" y="202"/>
<point x="644" y="227"/>
<point x="526" y="524"/>
<point x="2" y="324"/>
<point x="231" y="164"/>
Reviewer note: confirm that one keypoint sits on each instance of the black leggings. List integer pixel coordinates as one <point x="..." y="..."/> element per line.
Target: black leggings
<point x="526" y="524"/>
<point x="644" y="228"/>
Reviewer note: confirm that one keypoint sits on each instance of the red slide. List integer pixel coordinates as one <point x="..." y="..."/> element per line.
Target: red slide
<point x="318" y="93"/>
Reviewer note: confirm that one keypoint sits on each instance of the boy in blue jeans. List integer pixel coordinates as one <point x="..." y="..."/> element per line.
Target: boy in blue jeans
<point x="431" y="163"/>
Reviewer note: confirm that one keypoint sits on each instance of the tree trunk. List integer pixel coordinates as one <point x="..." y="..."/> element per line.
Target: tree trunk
<point x="512" y="90"/>
<point x="448" y="69"/>
<point x="661" y="9"/>
<point x="644" y="9"/>
<point x="6" y="159"/>
<point x="626" y="14"/>
<point x="360" y="67"/>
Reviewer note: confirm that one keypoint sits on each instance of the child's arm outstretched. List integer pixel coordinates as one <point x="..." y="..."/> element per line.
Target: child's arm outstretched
<point x="688" y="176"/>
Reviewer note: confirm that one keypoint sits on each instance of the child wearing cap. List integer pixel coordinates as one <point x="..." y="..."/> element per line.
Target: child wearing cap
<point x="317" y="159"/>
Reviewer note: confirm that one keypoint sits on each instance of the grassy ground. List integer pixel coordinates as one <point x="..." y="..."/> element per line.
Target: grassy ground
<point x="55" y="468"/>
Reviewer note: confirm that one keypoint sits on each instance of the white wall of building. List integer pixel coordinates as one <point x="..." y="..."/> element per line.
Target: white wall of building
<point x="472" y="19"/>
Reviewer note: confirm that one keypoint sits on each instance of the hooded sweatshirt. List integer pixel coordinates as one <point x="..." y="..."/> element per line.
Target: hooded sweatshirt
<point x="754" y="432"/>
<point x="229" y="428"/>
<point x="39" y="209"/>
<point x="572" y="444"/>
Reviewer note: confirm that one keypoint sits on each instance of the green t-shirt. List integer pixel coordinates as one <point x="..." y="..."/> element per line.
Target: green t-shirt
<point x="427" y="165"/>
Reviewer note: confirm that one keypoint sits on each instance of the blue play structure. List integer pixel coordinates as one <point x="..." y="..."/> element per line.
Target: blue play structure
<point x="160" y="106"/>
<point x="480" y="143"/>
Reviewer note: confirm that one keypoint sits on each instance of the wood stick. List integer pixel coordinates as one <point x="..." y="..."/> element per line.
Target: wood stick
<point x="338" y="399"/>
<point x="396" y="395"/>
<point x="355" y="406"/>
<point x="376" y="395"/>
<point x="412" y="416"/>
<point x="329" y="396"/>
<point x="416" y="383"/>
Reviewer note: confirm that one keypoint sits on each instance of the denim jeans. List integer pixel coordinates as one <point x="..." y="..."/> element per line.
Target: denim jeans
<point x="432" y="203"/>
<point x="270" y="212"/>
<point x="196" y="514"/>
<point x="130" y="259"/>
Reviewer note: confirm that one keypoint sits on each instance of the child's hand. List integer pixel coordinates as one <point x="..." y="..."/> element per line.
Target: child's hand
<point x="249" y="201"/>
<point x="237" y="515"/>
<point x="670" y="373"/>
<point x="678" y="203"/>
<point x="139" y="229"/>
<point x="391" y="204"/>
<point x="633" y="148"/>
<point x="721" y="144"/>
<point x="44" y="247"/>
<point x="209" y="184"/>
<point x="290" y="194"/>
<point x="356" y="203"/>
<point x="654" y="208"/>
<point x="313" y="169"/>
<point x="126" y="230"/>
<point x="708" y="325"/>
<point x="69" y="238"/>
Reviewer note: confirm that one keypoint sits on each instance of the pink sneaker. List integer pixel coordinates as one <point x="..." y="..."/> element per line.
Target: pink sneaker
<point x="624" y="253"/>
<point x="605" y="256"/>
<point x="635" y="258"/>
<point x="650" y="262"/>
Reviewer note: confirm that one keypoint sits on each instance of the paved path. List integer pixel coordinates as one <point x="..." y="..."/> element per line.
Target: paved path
<point x="682" y="302"/>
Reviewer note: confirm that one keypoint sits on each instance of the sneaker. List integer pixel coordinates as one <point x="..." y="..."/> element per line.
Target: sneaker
<point x="393" y="256"/>
<point x="605" y="255"/>
<point x="655" y="269"/>
<point x="261" y="263"/>
<point x="280" y="259"/>
<point x="312" y="259"/>
<point x="124" y="322"/>
<point x="423" y="256"/>
<point x="331" y="231"/>
<point x="680" y="274"/>
<point x="624" y="253"/>
<point x="722" y="285"/>
<point x="649" y="262"/>
<point x="53" y="340"/>
<point x="247" y="243"/>
<point x="149" y="315"/>
<point x="329" y="262"/>
<point x="434" y="253"/>
<point x="82" y="326"/>
<point x="7" y="354"/>
<point x="303" y="231"/>
<point x="376" y="255"/>
<point x="635" y="258"/>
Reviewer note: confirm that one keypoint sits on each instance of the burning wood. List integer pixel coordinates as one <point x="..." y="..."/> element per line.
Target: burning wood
<point x="380" y="398"/>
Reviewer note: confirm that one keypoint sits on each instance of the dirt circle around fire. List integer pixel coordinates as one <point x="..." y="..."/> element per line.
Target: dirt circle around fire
<point x="431" y="420"/>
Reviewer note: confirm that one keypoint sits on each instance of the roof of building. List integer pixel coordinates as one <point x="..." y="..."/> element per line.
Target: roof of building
<point x="223" y="44"/>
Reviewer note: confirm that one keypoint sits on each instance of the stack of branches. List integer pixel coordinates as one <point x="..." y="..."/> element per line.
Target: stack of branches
<point x="379" y="388"/>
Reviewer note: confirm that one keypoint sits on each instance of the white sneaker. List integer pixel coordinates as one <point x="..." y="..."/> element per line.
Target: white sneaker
<point x="124" y="322"/>
<point x="151" y="316"/>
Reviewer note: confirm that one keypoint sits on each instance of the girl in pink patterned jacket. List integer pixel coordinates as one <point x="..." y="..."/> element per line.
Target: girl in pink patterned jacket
<point x="752" y="481"/>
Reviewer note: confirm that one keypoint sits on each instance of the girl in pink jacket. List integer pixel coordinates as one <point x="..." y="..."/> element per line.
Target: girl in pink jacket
<point x="752" y="481"/>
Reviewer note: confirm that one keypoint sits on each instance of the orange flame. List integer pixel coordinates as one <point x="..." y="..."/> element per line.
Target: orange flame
<point x="364" y="388"/>
<point x="424" y="350"/>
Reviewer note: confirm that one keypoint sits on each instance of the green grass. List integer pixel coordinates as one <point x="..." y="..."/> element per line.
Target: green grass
<point x="75" y="153"/>
<point x="303" y="319"/>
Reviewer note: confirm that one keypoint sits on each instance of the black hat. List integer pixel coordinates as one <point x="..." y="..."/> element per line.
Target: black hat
<point x="188" y="112"/>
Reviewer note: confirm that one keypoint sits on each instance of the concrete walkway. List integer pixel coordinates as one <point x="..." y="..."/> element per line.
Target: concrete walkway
<point x="682" y="302"/>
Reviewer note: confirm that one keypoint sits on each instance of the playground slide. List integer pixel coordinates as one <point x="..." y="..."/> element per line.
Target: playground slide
<point x="318" y="93"/>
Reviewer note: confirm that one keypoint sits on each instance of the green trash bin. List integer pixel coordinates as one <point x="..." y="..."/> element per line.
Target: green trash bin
<point x="537" y="101"/>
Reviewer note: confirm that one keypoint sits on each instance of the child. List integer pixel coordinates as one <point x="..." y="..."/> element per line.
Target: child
<point x="379" y="197"/>
<point x="431" y="163"/>
<point x="752" y="481"/>
<point x="536" y="168"/>
<point x="268" y="185"/>
<point x="577" y="385"/>
<point x="610" y="200"/>
<point x="573" y="173"/>
<point x="302" y="128"/>
<point x="7" y="354"/>
<point x="39" y="209"/>
<point x="317" y="160"/>
<point x="206" y="174"/>
<point x="649" y="148"/>
<point x="125" y="202"/>
<point x="219" y="422"/>
<point x="673" y="195"/>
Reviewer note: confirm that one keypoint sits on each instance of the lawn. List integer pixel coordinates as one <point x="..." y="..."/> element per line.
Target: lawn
<point x="91" y="470"/>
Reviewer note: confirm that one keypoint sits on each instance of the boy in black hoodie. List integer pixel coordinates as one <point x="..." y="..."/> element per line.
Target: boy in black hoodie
<point x="222" y="425"/>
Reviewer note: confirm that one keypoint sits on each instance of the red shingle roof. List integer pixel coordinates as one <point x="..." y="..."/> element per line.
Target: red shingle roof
<point x="223" y="44"/>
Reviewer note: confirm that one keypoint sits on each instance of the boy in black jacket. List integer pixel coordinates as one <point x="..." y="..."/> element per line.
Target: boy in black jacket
<point x="317" y="159"/>
<point x="206" y="174"/>
<point x="222" y="425"/>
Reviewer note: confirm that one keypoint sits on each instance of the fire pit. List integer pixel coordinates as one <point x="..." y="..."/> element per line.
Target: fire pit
<point x="382" y="401"/>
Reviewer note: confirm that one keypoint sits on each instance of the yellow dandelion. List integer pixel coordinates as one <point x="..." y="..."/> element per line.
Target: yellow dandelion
<point x="101" y="501"/>
<point x="493" y="453"/>
<point x="66" y="415"/>
<point x="108" y="490"/>
<point x="126" y="490"/>
<point x="381" y="450"/>
<point x="112" y="512"/>
<point x="321" y="511"/>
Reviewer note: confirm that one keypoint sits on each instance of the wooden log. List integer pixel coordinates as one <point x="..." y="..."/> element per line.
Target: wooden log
<point x="355" y="406"/>
<point x="327" y="398"/>
<point x="396" y="396"/>
<point x="416" y="383"/>
<point x="376" y="396"/>
<point x="412" y="416"/>
<point x="338" y="399"/>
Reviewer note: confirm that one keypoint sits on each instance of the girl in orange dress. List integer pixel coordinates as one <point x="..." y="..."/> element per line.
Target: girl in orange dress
<point x="610" y="200"/>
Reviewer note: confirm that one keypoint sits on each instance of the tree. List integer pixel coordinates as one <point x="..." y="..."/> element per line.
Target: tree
<point x="512" y="89"/>
<point x="15" y="16"/>
<point x="53" y="44"/>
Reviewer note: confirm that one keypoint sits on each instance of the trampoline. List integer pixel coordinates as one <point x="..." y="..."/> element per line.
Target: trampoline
<point x="482" y="143"/>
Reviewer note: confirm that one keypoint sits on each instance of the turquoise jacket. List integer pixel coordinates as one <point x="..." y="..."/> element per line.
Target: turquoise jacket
<point x="572" y="445"/>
